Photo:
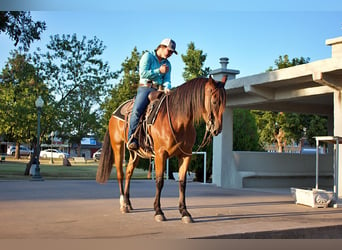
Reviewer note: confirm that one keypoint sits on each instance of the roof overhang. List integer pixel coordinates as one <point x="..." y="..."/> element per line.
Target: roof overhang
<point x="306" y="88"/>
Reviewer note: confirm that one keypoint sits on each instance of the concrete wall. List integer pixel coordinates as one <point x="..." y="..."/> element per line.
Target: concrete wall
<point x="262" y="169"/>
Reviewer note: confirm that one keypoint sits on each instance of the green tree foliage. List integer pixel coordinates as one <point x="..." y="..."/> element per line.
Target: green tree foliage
<point x="78" y="78"/>
<point x="313" y="125"/>
<point x="285" y="62"/>
<point x="19" y="88"/>
<point x="20" y="27"/>
<point x="245" y="133"/>
<point x="194" y="62"/>
<point x="124" y="90"/>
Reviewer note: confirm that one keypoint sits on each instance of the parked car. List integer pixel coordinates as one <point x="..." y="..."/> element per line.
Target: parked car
<point x="23" y="150"/>
<point x="55" y="153"/>
<point x="97" y="154"/>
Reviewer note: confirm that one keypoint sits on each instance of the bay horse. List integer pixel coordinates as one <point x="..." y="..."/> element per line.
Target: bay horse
<point x="173" y="134"/>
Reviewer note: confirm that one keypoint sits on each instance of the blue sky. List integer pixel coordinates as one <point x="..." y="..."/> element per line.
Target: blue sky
<point x="252" y="34"/>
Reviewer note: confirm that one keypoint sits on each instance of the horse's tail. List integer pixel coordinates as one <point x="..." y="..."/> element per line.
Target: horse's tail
<point x="106" y="160"/>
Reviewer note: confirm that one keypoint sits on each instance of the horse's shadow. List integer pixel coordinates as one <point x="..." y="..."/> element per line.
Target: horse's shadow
<point x="229" y="217"/>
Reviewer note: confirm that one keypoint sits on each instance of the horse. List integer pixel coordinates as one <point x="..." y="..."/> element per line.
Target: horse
<point x="173" y="134"/>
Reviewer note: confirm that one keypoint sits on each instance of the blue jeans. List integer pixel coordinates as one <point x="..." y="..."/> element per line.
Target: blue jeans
<point x="139" y="107"/>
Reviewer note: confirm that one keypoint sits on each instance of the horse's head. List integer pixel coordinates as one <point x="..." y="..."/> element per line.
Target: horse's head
<point x="215" y="103"/>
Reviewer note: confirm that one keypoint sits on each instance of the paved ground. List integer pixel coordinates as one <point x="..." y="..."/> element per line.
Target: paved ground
<point x="88" y="210"/>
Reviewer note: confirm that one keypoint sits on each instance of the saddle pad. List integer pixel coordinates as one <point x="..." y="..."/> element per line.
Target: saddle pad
<point x="124" y="109"/>
<point x="150" y="114"/>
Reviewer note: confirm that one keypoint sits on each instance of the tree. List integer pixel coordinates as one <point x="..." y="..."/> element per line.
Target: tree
<point x="285" y="62"/>
<point x="245" y="135"/>
<point x="78" y="78"/>
<point x="20" y="27"/>
<point x="19" y="88"/>
<point x="125" y="89"/>
<point x="194" y="61"/>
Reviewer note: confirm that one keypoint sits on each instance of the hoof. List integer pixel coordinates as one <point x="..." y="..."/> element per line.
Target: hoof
<point x="159" y="218"/>
<point x="124" y="209"/>
<point x="187" y="219"/>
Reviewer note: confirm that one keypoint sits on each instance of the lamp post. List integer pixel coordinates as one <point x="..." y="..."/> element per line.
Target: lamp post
<point x="52" y="135"/>
<point x="39" y="104"/>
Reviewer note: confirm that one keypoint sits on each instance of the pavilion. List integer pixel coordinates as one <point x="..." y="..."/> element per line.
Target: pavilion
<point x="312" y="88"/>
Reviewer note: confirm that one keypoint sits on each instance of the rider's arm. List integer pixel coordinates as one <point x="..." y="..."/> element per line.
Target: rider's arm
<point x="149" y="69"/>
<point x="167" y="78"/>
<point x="146" y="69"/>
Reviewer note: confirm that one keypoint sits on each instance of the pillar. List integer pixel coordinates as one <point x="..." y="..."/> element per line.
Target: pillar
<point x="338" y="132"/>
<point x="336" y="53"/>
<point x="222" y="175"/>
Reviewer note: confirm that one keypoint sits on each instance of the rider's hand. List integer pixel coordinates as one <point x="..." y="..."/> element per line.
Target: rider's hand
<point x="164" y="69"/>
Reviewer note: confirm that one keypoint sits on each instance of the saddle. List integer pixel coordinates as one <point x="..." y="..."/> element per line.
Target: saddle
<point x="124" y="111"/>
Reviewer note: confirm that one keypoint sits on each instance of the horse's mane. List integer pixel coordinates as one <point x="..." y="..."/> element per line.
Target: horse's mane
<point x="188" y="99"/>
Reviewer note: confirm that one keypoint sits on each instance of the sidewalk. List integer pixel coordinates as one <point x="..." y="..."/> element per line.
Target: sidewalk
<point x="88" y="210"/>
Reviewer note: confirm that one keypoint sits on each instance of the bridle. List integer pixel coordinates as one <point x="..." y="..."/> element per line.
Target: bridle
<point x="209" y="124"/>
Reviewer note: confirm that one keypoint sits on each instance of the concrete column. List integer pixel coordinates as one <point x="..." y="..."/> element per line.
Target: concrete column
<point x="223" y="171"/>
<point x="223" y="143"/>
<point x="330" y="130"/>
<point x="336" y="52"/>
<point x="338" y="132"/>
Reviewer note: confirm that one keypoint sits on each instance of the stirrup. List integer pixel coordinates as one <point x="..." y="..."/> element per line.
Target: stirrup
<point x="130" y="143"/>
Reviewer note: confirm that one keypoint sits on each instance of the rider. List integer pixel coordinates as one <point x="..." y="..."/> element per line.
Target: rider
<point x="154" y="72"/>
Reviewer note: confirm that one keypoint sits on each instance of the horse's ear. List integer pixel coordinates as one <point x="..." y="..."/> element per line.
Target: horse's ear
<point x="211" y="80"/>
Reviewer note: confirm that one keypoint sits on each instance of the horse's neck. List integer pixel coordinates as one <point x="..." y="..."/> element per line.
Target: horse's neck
<point x="181" y="118"/>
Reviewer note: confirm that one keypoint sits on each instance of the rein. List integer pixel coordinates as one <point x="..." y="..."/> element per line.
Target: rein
<point x="173" y="132"/>
<point x="206" y="138"/>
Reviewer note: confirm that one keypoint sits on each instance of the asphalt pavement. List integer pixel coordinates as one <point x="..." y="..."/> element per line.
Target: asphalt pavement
<point x="71" y="209"/>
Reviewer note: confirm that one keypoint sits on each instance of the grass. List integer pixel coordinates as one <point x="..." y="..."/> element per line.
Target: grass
<point x="13" y="169"/>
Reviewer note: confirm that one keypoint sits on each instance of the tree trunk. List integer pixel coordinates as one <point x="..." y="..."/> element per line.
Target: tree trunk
<point x="79" y="150"/>
<point x="17" y="151"/>
<point x="29" y="164"/>
<point x="279" y="137"/>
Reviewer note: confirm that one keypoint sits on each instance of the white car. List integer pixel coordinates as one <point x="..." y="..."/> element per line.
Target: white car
<point x="97" y="154"/>
<point x="23" y="150"/>
<point x="55" y="154"/>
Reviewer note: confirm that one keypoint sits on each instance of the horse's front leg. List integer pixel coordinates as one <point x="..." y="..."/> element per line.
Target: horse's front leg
<point x="183" y="168"/>
<point x="159" y="171"/>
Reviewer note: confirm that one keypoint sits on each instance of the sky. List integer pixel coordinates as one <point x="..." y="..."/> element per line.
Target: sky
<point x="252" y="34"/>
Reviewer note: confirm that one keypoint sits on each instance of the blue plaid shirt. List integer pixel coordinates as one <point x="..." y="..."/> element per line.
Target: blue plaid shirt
<point x="149" y="70"/>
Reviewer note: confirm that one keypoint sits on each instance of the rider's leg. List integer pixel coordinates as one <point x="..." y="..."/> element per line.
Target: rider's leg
<point x="140" y="104"/>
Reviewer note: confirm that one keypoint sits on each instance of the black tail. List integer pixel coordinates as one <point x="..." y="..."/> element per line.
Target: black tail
<point x="106" y="161"/>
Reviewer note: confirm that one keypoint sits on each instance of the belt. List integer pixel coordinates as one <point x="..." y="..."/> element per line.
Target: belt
<point x="151" y="85"/>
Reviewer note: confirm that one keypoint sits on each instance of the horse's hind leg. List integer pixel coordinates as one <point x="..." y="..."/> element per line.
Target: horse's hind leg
<point x="183" y="168"/>
<point x="132" y="163"/>
<point x="118" y="156"/>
